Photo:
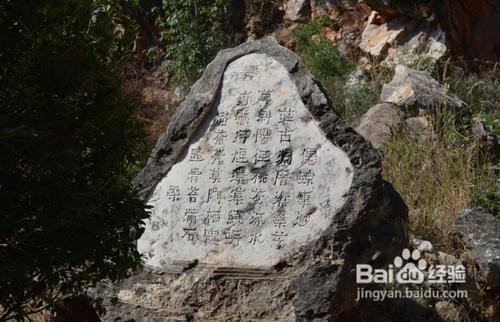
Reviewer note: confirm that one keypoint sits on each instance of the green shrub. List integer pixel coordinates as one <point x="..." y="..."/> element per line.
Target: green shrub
<point x="320" y="55"/>
<point x="69" y="217"/>
<point x="192" y="34"/>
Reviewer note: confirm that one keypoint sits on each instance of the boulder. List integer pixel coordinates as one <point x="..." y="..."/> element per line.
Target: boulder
<point x="413" y="89"/>
<point x="262" y="201"/>
<point x="481" y="233"/>
<point x="379" y="122"/>
<point x="379" y="35"/>
<point x="297" y="10"/>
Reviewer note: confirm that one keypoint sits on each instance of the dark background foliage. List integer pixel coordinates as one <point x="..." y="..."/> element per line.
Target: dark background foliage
<point x="68" y="140"/>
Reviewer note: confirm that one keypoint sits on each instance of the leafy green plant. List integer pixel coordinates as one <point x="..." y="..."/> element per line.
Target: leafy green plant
<point x="192" y="33"/>
<point x="320" y="55"/>
<point x="68" y="136"/>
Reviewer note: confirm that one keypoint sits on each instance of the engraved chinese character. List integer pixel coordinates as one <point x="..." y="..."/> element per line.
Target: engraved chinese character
<point x="196" y="155"/>
<point x="304" y="198"/>
<point x="233" y="237"/>
<point x="305" y="177"/>
<point x="194" y="174"/>
<point x="217" y="156"/>
<point x="239" y="176"/>
<point x="264" y="116"/>
<point x="241" y="117"/>
<point x="279" y="218"/>
<point x="260" y="176"/>
<point x="262" y="156"/>
<point x="263" y="136"/>
<point x="237" y="195"/>
<point x="241" y="136"/>
<point x="281" y="198"/>
<point x="282" y="177"/>
<point x="326" y="210"/>
<point x="240" y="156"/>
<point x="193" y="193"/>
<point x="211" y="236"/>
<point x="219" y="137"/>
<point x="214" y="194"/>
<point x="257" y="219"/>
<point x="249" y="72"/>
<point x="286" y="115"/>
<point x="157" y="223"/>
<point x="221" y="119"/>
<point x="256" y="238"/>
<point x="173" y="193"/>
<point x="213" y="216"/>
<point x="285" y="135"/>
<point x="243" y="98"/>
<point x="284" y="157"/>
<point x="309" y="156"/>
<point x="258" y="195"/>
<point x="302" y="219"/>
<point x="279" y="238"/>
<point x="265" y="96"/>
<point x="190" y="233"/>
<point x="190" y="215"/>
<point x="215" y="175"/>
<point x="235" y="217"/>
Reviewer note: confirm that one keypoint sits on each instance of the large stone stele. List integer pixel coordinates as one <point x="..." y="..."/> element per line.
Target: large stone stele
<point x="262" y="201"/>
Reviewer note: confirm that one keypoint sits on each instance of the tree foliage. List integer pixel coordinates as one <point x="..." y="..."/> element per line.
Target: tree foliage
<point x="68" y="215"/>
<point x="192" y="33"/>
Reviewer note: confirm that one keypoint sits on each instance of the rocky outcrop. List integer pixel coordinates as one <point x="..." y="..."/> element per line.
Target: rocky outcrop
<point x="471" y="26"/>
<point x="378" y="36"/>
<point x="379" y="123"/>
<point x="480" y="232"/>
<point x="412" y="89"/>
<point x="307" y="279"/>
<point x="409" y="8"/>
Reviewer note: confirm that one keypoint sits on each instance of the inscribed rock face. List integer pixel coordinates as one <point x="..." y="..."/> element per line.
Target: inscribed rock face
<point x="258" y="181"/>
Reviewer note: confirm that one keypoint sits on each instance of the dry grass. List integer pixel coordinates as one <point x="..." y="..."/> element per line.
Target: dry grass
<point x="436" y="176"/>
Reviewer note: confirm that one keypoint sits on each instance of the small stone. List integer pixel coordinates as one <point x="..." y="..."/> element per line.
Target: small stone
<point x="418" y="127"/>
<point x="411" y="89"/>
<point x="297" y="10"/>
<point x="480" y="232"/>
<point x="423" y="245"/>
<point x="379" y="122"/>
<point x="447" y="311"/>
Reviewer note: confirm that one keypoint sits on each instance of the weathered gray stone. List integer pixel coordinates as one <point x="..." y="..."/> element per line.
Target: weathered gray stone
<point x="481" y="233"/>
<point x="411" y="89"/>
<point x="308" y="278"/>
<point x="297" y="10"/>
<point x="419" y="127"/>
<point x="483" y="135"/>
<point x="379" y="122"/>
<point x="422" y="44"/>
